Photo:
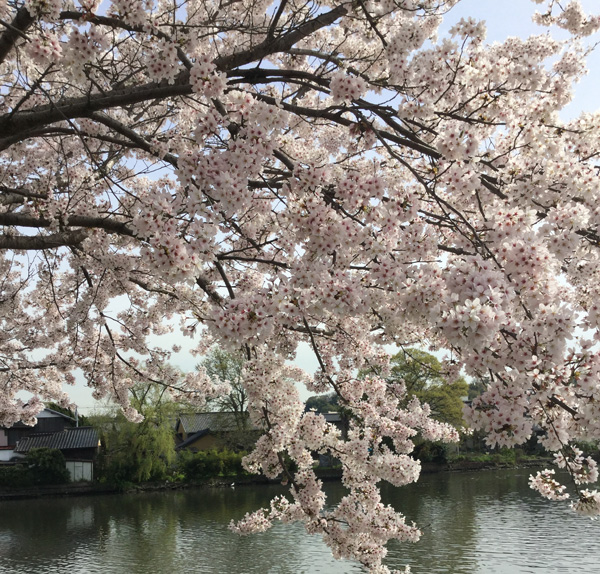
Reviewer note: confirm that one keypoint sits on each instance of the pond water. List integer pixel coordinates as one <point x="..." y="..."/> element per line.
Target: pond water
<point x="473" y="523"/>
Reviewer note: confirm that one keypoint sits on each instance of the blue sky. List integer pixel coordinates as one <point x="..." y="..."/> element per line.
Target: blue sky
<point x="506" y="18"/>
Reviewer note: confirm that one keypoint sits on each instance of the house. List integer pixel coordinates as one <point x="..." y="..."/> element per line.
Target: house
<point x="48" y="421"/>
<point x="79" y="446"/>
<point x="337" y="421"/>
<point x="204" y="431"/>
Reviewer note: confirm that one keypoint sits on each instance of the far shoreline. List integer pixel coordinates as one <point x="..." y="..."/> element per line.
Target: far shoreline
<point x="324" y="474"/>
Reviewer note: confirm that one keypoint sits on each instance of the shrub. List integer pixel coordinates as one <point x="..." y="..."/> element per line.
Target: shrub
<point x="505" y="455"/>
<point x="210" y="463"/>
<point x="232" y="463"/>
<point x="46" y="466"/>
<point x="431" y="452"/>
<point x="14" y="475"/>
<point x="203" y="464"/>
<point x="213" y="463"/>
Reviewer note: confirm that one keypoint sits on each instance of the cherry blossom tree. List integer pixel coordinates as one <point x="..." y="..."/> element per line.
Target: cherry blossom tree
<point x="323" y="172"/>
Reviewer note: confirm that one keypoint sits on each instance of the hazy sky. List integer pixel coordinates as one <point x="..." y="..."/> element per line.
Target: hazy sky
<point x="504" y="19"/>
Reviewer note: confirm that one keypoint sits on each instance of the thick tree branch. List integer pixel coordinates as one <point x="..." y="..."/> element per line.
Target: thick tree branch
<point x="109" y="225"/>
<point x="41" y="242"/>
<point x="17" y="28"/>
<point x="281" y="43"/>
<point x="19" y="124"/>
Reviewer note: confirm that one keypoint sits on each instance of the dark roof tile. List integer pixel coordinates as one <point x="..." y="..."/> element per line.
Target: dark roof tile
<point x="81" y="437"/>
<point x="213" y="422"/>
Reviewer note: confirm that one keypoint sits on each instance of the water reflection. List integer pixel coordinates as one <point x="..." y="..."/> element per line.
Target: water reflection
<point x="491" y="522"/>
<point x="484" y="523"/>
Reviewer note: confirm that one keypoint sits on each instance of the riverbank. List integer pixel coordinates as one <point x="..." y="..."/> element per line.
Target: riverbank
<point x="324" y="474"/>
<point x="86" y="488"/>
<point x="473" y="465"/>
<point x="58" y="490"/>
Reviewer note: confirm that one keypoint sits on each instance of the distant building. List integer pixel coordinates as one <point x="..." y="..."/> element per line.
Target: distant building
<point x="205" y="431"/>
<point x="79" y="446"/>
<point x="53" y="429"/>
<point x="48" y="421"/>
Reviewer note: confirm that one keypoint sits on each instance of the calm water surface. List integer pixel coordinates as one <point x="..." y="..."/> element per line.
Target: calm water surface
<point x="473" y="523"/>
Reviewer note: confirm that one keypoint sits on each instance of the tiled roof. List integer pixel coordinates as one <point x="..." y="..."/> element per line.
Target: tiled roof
<point x="81" y="437"/>
<point x="215" y="422"/>
<point x="332" y="417"/>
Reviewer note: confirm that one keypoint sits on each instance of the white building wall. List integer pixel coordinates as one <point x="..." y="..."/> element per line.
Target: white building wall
<point x="10" y="454"/>
<point x="6" y="455"/>
<point x="80" y="470"/>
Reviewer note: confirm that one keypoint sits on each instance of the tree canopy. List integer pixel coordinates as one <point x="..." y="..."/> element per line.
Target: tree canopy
<point x="227" y="368"/>
<point x="422" y="376"/>
<point x="323" y="403"/>
<point x="135" y="452"/>
<point x="327" y="173"/>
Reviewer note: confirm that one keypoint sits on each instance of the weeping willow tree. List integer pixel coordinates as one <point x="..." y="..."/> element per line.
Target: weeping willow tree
<point x="144" y="451"/>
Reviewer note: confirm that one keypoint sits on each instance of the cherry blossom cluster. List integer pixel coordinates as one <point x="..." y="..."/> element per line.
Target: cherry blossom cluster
<point x="82" y="48"/>
<point x="588" y="504"/>
<point x="133" y="12"/>
<point x="45" y="9"/>
<point x="44" y="49"/>
<point x="163" y="63"/>
<point x="205" y="78"/>
<point x="547" y="486"/>
<point x="89" y="5"/>
<point x="584" y="470"/>
<point x="345" y="87"/>
<point x="571" y="18"/>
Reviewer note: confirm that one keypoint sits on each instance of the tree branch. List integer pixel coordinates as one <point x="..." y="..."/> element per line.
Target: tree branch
<point x="40" y="242"/>
<point x="109" y="225"/>
<point x="24" y="121"/>
<point x="16" y="29"/>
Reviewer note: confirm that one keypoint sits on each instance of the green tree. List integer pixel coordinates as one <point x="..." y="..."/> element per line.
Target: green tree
<point x="424" y="378"/>
<point x="323" y="403"/>
<point x="223" y="366"/>
<point x="478" y="387"/>
<point x="228" y="367"/>
<point x="137" y="452"/>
